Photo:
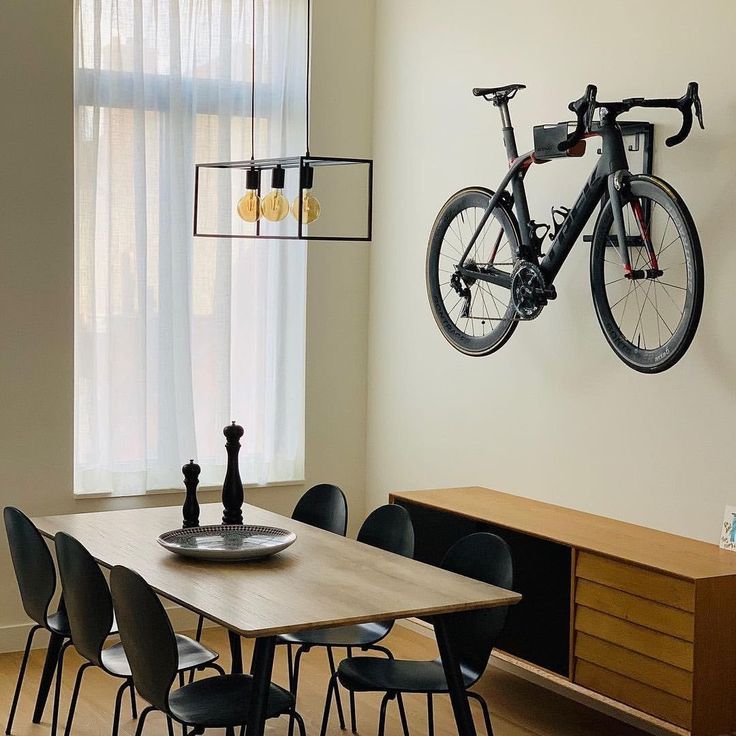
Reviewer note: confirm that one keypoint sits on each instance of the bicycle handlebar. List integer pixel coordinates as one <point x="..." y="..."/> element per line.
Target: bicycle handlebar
<point x="587" y="104"/>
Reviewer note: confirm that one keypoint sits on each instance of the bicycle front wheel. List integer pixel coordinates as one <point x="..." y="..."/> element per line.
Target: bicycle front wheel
<point x="649" y="322"/>
<point x="475" y="316"/>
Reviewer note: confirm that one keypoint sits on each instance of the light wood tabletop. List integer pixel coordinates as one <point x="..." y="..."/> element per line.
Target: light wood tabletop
<point x="321" y="580"/>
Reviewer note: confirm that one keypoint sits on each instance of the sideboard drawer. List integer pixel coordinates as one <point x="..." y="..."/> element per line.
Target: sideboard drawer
<point x="636" y="694"/>
<point x="638" y="581"/>
<point x="635" y="666"/>
<point x="635" y="609"/>
<point x="654" y="644"/>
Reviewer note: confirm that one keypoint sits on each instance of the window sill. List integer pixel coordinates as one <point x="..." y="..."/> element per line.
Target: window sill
<point x="180" y="491"/>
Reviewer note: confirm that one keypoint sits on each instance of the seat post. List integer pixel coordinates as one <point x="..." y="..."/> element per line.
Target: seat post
<point x="509" y="139"/>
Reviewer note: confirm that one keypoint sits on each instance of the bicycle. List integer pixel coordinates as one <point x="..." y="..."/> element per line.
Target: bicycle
<point x="486" y="271"/>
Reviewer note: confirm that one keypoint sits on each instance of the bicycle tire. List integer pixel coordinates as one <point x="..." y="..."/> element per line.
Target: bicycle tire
<point x="665" y="354"/>
<point x="460" y="336"/>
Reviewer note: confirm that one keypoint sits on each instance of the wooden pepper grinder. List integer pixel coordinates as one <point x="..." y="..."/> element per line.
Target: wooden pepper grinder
<point x="232" y="489"/>
<point x="191" y="507"/>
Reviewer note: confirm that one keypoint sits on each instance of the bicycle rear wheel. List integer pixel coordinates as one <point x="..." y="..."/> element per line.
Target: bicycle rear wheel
<point x="649" y="322"/>
<point x="481" y="323"/>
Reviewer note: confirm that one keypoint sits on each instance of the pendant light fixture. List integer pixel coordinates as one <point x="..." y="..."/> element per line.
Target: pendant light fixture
<point x="258" y="212"/>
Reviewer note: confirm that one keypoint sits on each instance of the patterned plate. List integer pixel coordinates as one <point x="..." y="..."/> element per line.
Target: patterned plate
<point x="227" y="542"/>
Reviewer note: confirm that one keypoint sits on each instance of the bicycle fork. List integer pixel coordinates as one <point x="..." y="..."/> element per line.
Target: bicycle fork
<point x="616" y="183"/>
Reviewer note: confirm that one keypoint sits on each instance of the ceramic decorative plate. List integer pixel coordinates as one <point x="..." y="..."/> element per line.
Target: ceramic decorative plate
<point x="227" y="542"/>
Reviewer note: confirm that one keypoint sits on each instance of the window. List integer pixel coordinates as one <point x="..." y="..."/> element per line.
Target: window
<point x="174" y="337"/>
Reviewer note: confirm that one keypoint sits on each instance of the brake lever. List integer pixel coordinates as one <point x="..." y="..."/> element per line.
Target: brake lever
<point x="698" y="109"/>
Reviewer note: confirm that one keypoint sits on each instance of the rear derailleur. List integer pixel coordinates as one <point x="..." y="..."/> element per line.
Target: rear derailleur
<point x="462" y="286"/>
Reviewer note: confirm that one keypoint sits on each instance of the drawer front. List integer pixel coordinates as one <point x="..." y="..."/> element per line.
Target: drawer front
<point x="648" y="699"/>
<point x="635" y="610"/>
<point x="654" y="644"/>
<point x="638" y="581"/>
<point x="635" y="666"/>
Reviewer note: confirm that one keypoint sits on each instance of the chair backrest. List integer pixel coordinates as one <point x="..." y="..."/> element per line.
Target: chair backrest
<point x="33" y="564"/>
<point x="146" y="634"/>
<point x="389" y="527"/>
<point x="473" y="634"/>
<point x="325" y="507"/>
<point x="86" y="596"/>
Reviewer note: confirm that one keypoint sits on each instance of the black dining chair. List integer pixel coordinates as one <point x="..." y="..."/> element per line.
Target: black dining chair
<point x="90" y="612"/>
<point x="323" y="506"/>
<point x="221" y="701"/>
<point x="471" y="635"/>
<point x="389" y="528"/>
<point x="36" y="577"/>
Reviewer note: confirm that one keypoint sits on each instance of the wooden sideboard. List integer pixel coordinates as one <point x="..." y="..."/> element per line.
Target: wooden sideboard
<point x="640" y="617"/>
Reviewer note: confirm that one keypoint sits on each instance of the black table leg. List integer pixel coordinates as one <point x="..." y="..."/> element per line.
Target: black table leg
<point x="458" y="698"/>
<point x="236" y="652"/>
<point x="261" y="669"/>
<point x="47" y="676"/>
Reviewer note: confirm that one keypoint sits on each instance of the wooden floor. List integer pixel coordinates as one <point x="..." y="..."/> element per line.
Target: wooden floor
<point x="518" y="708"/>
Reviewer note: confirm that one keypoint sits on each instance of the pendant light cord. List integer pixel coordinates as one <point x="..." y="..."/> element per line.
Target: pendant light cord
<point x="309" y="66"/>
<point x="253" y="85"/>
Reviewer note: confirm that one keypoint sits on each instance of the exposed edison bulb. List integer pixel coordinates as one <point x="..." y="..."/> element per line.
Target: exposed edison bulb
<point x="249" y="206"/>
<point x="274" y="206"/>
<point x="310" y="208"/>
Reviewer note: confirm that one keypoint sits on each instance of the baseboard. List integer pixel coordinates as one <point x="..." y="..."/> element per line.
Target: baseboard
<point x="13" y="638"/>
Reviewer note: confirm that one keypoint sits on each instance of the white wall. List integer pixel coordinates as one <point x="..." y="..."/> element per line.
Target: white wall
<point x="36" y="275"/>
<point x="554" y="415"/>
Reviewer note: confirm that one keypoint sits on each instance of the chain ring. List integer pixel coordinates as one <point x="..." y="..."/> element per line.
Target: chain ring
<point x="527" y="290"/>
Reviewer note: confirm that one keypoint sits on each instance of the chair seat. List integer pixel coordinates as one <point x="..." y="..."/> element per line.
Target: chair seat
<point x="191" y="654"/>
<point x="359" y="635"/>
<point x="376" y="674"/>
<point x="223" y="701"/>
<point x="58" y="623"/>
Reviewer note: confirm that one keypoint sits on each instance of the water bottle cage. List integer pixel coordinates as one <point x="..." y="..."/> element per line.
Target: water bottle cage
<point x="537" y="233"/>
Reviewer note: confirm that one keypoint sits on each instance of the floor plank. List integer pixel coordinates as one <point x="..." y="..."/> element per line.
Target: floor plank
<point x="518" y="707"/>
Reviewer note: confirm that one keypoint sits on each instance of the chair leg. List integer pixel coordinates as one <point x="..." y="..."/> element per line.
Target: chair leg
<point x="300" y="722"/>
<point x="216" y="667"/>
<point x="133" y="706"/>
<point x="118" y="706"/>
<point x="382" y="716"/>
<point x="49" y="669"/>
<point x="170" y="727"/>
<point x="294" y="684"/>
<point x="290" y="660"/>
<point x="142" y="721"/>
<point x="338" y="700"/>
<point x="351" y="694"/>
<point x="57" y="691"/>
<point x="384" y="650"/>
<point x="484" y="708"/>
<point x="328" y="705"/>
<point x="402" y="714"/>
<point x="21" y="676"/>
<point x="198" y="637"/>
<point x="430" y="715"/>
<point x="75" y="695"/>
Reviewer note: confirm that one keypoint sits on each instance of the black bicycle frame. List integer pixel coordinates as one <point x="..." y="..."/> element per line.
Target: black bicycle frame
<point x="604" y="181"/>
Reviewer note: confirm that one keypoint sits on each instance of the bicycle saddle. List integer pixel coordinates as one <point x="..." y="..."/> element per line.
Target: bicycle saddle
<point x="497" y="94"/>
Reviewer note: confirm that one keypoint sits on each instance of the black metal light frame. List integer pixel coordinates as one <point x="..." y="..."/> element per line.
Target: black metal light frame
<point x="291" y="162"/>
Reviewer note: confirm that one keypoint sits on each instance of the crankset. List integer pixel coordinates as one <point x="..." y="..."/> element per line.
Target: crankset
<point x="529" y="293"/>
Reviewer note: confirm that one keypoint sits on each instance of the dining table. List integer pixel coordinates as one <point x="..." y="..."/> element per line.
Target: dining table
<point x="321" y="580"/>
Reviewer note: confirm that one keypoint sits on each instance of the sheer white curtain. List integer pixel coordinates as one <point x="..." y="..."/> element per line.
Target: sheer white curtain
<point x="174" y="336"/>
